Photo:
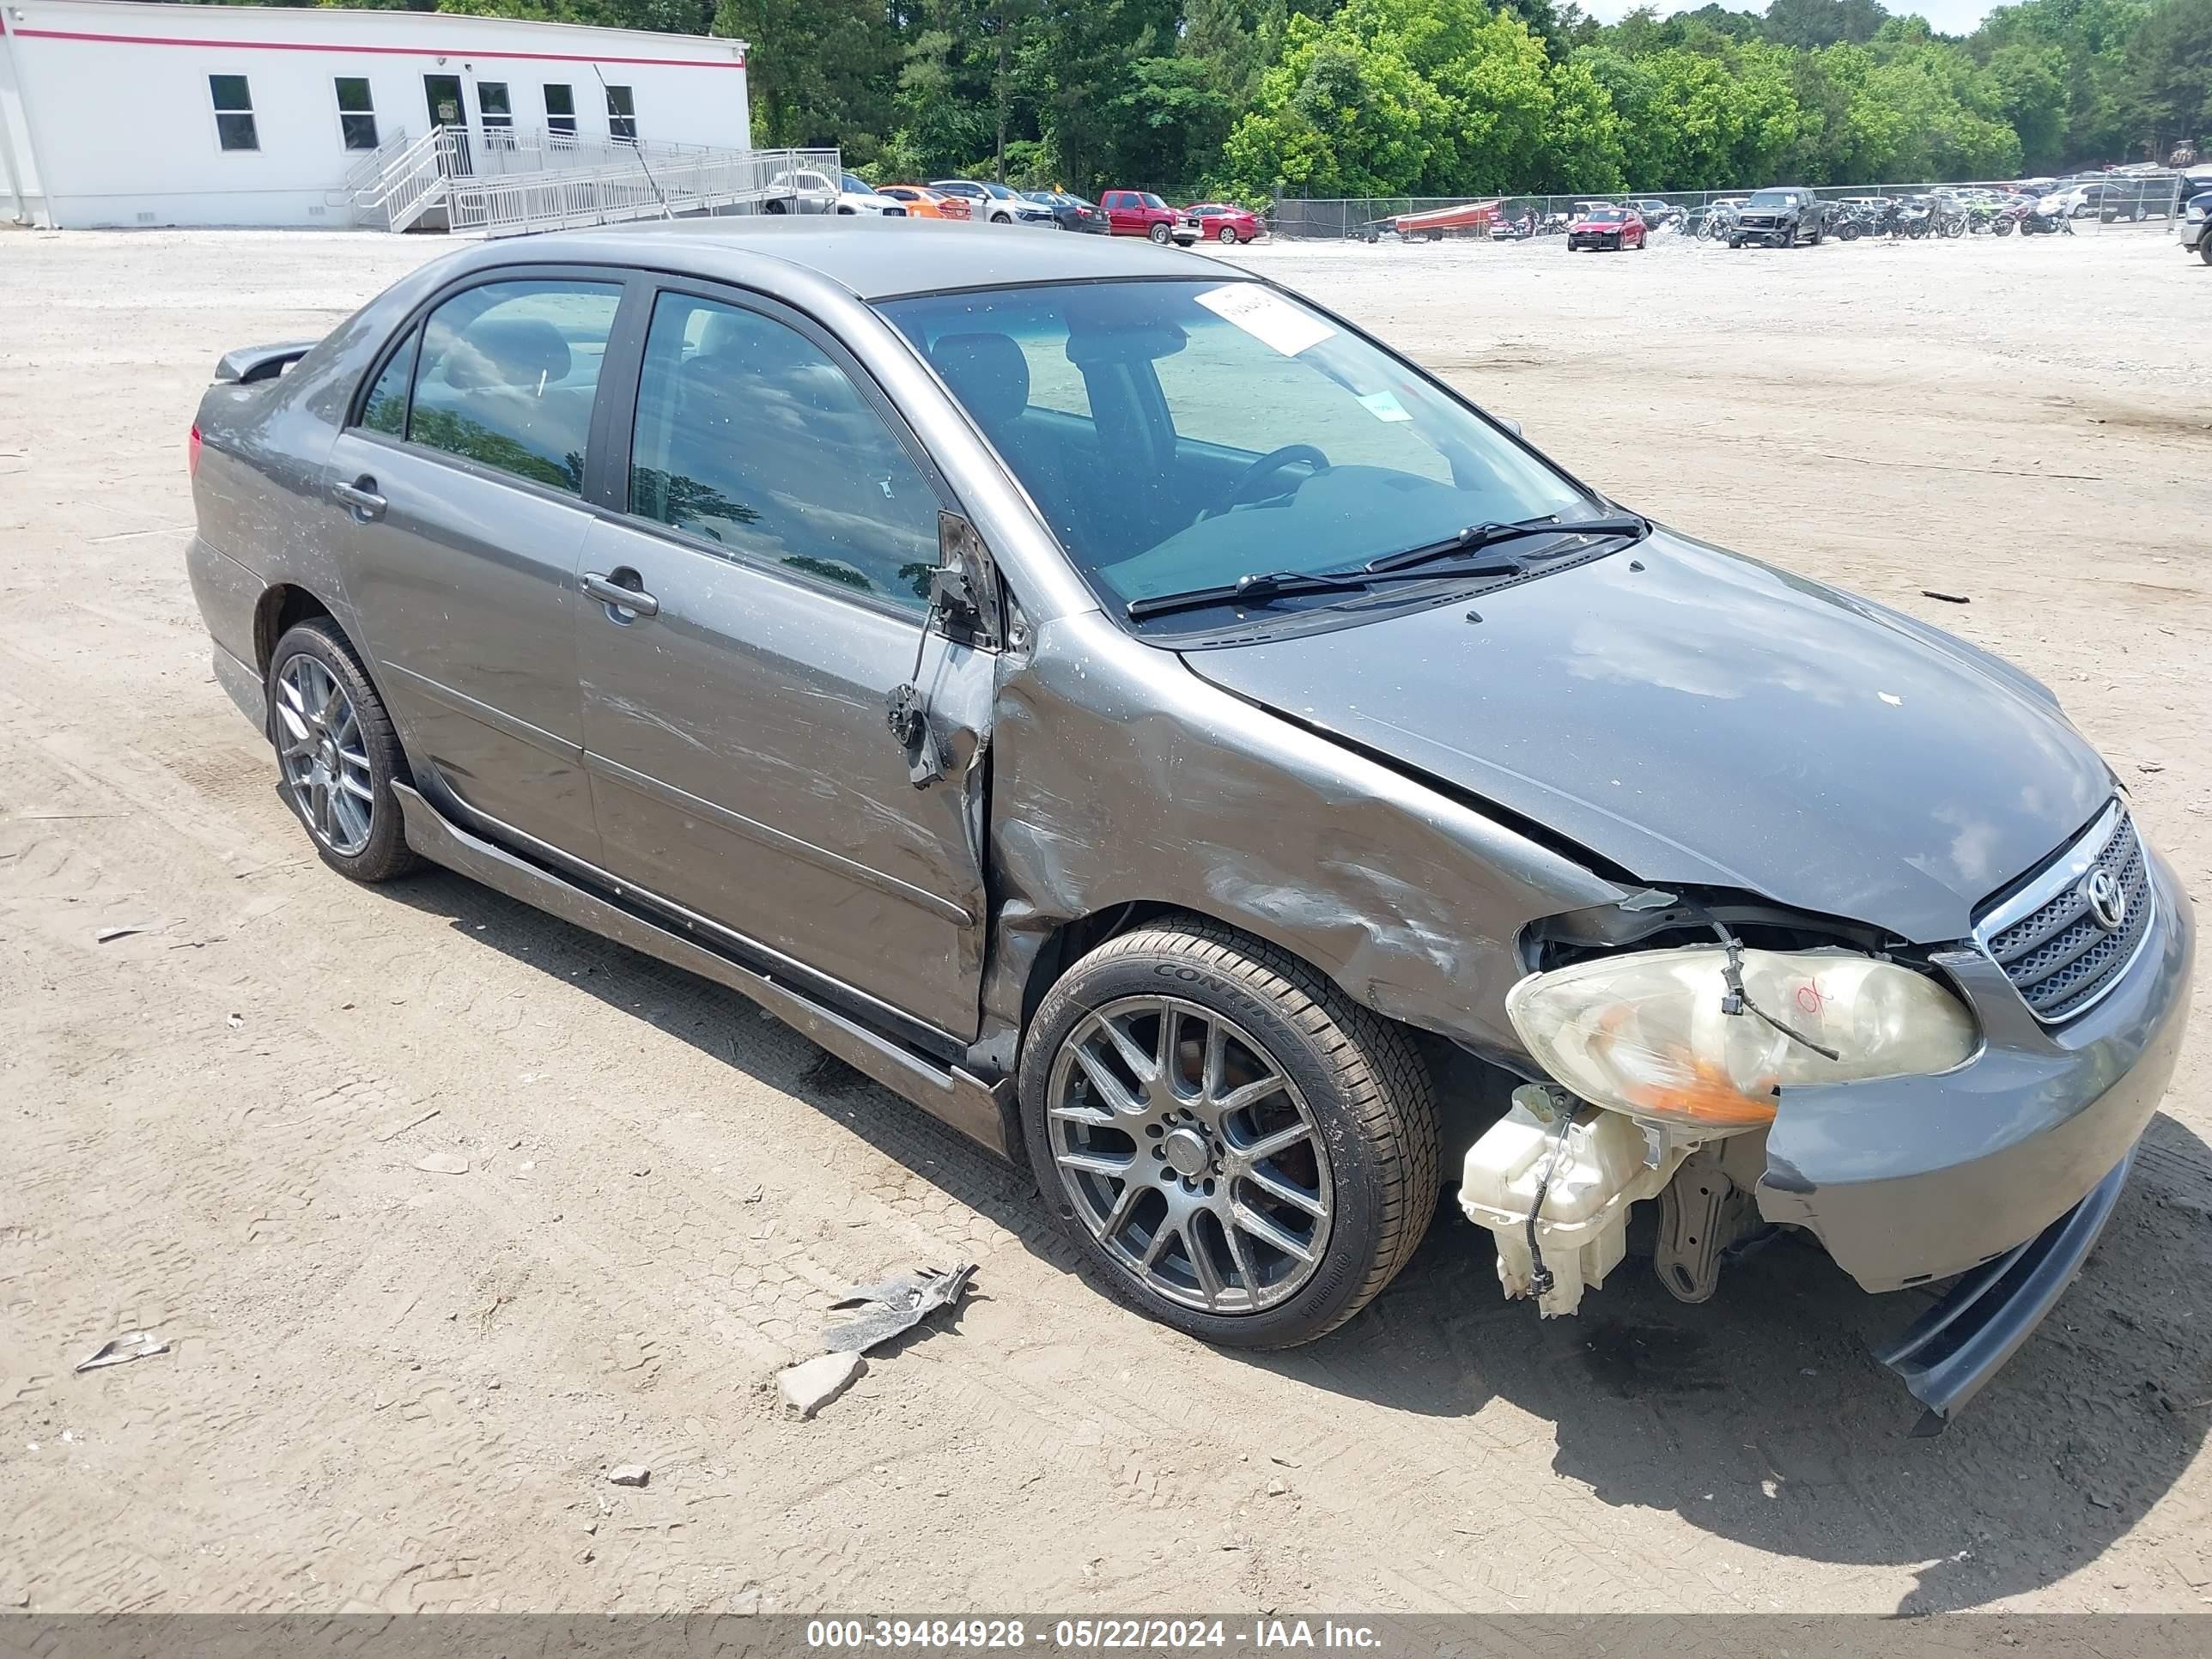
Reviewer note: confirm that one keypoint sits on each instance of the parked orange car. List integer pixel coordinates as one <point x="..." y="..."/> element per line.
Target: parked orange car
<point x="923" y="203"/>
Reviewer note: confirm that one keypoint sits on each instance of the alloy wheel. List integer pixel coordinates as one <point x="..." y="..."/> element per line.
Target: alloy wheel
<point x="325" y="755"/>
<point x="1190" y="1154"/>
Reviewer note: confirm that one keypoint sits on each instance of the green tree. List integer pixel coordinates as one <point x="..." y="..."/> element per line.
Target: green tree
<point x="2169" y="74"/>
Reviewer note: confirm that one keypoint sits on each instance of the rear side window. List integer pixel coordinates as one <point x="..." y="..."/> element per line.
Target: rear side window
<point x="385" y="409"/>
<point x="506" y="375"/>
<point x="751" y="436"/>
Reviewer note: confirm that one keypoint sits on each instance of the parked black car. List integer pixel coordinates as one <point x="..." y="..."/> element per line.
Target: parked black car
<point x="1780" y="216"/>
<point x="1072" y="212"/>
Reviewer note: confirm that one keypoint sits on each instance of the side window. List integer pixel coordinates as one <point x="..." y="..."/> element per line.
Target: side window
<point x="385" y="410"/>
<point x="750" y="435"/>
<point x="507" y="373"/>
<point x="622" y="113"/>
<point x="234" y="111"/>
<point x="560" y="109"/>
<point x="356" y="112"/>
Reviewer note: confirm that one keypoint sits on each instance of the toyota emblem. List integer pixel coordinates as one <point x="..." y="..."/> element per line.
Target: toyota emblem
<point x="2107" y="904"/>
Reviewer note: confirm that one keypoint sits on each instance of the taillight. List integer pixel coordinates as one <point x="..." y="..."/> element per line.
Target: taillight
<point x="192" y="452"/>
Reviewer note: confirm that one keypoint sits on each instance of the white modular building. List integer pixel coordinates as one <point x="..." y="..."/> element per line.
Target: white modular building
<point x="114" y="113"/>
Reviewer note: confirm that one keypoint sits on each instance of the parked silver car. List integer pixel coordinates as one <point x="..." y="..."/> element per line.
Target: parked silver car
<point x="1123" y="709"/>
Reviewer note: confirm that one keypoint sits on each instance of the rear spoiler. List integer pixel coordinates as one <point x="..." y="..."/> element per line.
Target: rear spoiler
<point x="265" y="362"/>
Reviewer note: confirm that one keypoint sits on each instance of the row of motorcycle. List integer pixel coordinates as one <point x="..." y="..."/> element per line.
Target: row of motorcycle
<point x="1915" y="218"/>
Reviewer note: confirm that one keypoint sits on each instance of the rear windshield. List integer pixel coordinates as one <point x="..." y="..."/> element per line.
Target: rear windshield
<point x="1178" y="434"/>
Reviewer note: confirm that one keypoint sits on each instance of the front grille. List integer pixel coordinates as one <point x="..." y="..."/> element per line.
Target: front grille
<point x="2059" y="955"/>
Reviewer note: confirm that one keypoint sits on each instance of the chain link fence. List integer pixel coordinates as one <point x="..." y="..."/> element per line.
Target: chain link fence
<point x="2111" y="201"/>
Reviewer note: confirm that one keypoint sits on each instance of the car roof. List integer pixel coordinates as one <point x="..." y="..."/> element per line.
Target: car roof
<point x="870" y="257"/>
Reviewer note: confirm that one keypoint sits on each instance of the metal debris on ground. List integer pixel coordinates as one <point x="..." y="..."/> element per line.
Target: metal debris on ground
<point x="1947" y="599"/>
<point x="131" y="1345"/>
<point x="109" y="935"/>
<point x="896" y="1305"/>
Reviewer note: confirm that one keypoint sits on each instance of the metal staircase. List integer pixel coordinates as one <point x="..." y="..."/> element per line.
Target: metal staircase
<point x="510" y="181"/>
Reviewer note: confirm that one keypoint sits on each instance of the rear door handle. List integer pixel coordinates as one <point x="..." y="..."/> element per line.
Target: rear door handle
<point x="617" y="594"/>
<point x="361" y="496"/>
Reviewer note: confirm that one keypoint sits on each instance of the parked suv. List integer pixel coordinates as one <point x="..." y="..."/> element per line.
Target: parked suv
<point x="1779" y="217"/>
<point x="740" y="590"/>
<point x="1140" y="213"/>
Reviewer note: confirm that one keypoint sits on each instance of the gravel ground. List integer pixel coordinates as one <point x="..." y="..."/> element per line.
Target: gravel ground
<point x="391" y="1388"/>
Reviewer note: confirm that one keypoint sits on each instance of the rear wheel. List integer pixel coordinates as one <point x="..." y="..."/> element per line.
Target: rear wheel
<point x="336" y="754"/>
<point x="1227" y="236"/>
<point x="1248" y="1154"/>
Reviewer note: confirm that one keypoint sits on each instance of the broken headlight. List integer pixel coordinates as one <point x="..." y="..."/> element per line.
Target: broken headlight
<point x="1652" y="1033"/>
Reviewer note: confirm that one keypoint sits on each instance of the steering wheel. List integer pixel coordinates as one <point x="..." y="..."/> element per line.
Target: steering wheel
<point x="1270" y="463"/>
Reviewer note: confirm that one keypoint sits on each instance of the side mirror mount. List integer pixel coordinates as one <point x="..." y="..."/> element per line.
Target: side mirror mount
<point x="1513" y="427"/>
<point x="964" y="589"/>
<point x="964" y="604"/>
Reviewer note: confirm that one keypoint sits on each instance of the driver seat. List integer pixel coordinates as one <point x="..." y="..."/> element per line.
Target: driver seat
<point x="990" y="376"/>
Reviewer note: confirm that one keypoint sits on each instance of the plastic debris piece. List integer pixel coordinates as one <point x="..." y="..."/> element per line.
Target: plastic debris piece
<point x="122" y="1349"/>
<point x="442" y="1163"/>
<point x="895" y="1306"/>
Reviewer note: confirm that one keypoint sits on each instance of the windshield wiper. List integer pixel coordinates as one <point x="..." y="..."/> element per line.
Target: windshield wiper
<point x="1259" y="587"/>
<point x="1476" y="537"/>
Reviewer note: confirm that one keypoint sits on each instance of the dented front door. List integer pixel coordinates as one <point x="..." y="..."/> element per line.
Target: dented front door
<point x="740" y="633"/>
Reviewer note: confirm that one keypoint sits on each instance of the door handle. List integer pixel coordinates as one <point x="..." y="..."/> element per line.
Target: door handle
<point x="361" y="496"/>
<point x="619" y="595"/>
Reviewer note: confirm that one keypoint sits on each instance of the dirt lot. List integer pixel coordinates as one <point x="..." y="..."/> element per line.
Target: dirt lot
<point x="401" y="1390"/>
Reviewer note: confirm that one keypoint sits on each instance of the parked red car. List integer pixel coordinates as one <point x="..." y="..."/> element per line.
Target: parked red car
<point x="1606" y="227"/>
<point x="1222" y="221"/>
<point x="1140" y="213"/>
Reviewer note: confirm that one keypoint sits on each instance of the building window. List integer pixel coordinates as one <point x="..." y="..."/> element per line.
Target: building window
<point x="622" y="114"/>
<point x="560" y="109"/>
<point x="356" y="112"/>
<point x="234" y="111"/>
<point x="498" y="115"/>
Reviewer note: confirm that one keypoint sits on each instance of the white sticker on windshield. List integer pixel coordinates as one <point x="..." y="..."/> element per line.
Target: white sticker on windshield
<point x="1384" y="406"/>
<point x="1266" y="317"/>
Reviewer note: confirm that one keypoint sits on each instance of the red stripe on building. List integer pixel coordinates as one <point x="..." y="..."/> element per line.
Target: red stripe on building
<point x="387" y="51"/>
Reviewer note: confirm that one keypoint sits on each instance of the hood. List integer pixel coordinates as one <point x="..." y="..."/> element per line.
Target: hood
<point x="1706" y="719"/>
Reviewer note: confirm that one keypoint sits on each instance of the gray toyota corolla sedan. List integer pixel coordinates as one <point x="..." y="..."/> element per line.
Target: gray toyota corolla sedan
<point x="1127" y="711"/>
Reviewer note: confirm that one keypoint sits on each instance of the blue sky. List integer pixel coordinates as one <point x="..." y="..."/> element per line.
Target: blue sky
<point x="1949" y="16"/>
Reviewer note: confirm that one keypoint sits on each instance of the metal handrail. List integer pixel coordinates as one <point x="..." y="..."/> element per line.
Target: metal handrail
<point x="508" y="181"/>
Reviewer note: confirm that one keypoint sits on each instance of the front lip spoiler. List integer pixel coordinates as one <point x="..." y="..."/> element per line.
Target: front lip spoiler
<point x="1956" y="1346"/>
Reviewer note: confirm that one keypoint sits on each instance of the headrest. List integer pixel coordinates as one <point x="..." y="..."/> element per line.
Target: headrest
<point x="987" y="372"/>
<point x="527" y="352"/>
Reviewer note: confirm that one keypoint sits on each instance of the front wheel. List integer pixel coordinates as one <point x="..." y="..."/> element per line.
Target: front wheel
<point x="1002" y="218"/>
<point x="1248" y="1154"/>
<point x="1161" y="235"/>
<point x="336" y="753"/>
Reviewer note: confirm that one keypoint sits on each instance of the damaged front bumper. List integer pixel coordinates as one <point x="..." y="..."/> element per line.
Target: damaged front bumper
<point x="2004" y="1169"/>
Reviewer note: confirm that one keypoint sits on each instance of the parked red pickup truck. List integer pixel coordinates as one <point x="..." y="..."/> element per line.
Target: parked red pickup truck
<point x="1140" y="213"/>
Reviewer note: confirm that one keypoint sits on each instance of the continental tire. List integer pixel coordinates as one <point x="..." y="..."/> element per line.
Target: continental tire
<point x="1244" y="1153"/>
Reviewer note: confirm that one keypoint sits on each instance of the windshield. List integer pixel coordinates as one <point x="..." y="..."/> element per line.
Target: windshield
<point x="857" y="186"/>
<point x="1180" y="435"/>
<point x="1606" y="215"/>
<point x="1772" y="198"/>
